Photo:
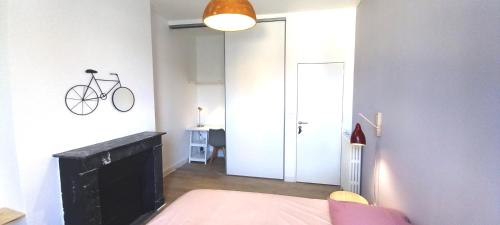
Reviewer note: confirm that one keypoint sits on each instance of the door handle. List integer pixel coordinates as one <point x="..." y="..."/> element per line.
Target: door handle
<point x="302" y="123"/>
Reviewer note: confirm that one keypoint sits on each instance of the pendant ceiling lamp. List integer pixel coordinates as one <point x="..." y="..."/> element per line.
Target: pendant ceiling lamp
<point x="229" y="15"/>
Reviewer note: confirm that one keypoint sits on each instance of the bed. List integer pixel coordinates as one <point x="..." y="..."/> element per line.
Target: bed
<point x="219" y="207"/>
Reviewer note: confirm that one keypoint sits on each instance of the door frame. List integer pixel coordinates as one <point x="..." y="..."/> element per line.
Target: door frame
<point x="297" y="113"/>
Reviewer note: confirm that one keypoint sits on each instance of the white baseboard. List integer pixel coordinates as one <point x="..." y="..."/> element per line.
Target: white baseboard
<point x="172" y="168"/>
<point x="290" y="179"/>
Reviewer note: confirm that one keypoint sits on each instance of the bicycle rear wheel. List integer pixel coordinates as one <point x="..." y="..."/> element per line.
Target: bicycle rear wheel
<point x="81" y="100"/>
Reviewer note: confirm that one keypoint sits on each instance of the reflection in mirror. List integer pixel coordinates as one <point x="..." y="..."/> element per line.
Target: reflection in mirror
<point x="123" y="99"/>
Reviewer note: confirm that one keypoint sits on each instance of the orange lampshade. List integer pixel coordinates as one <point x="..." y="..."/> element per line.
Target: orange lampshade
<point x="357" y="136"/>
<point x="229" y="15"/>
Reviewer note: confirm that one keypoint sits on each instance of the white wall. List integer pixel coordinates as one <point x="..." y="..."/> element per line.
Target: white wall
<point x="9" y="171"/>
<point x="209" y="56"/>
<point x="211" y="97"/>
<point x="432" y="67"/>
<point x="313" y="37"/>
<point x="189" y="69"/>
<point x="316" y="37"/>
<point x="210" y="76"/>
<point x="50" y="44"/>
<point x="175" y="91"/>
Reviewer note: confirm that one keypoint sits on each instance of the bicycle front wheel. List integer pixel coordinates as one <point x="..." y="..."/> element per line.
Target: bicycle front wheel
<point x="123" y="99"/>
<point x="81" y="100"/>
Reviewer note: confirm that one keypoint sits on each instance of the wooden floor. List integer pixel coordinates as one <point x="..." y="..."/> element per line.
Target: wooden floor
<point x="200" y="176"/>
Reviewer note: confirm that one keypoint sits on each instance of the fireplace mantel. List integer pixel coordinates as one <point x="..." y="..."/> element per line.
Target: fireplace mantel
<point x="88" y="173"/>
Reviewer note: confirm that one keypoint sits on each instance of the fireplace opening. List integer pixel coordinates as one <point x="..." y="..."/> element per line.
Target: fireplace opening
<point x="126" y="189"/>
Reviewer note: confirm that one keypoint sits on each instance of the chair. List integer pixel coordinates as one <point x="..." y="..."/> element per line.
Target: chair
<point x="217" y="139"/>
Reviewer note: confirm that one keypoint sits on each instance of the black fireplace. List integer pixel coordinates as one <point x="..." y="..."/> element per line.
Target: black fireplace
<point x="118" y="182"/>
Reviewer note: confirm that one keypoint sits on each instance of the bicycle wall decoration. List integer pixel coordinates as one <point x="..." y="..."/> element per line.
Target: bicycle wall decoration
<point x="83" y="99"/>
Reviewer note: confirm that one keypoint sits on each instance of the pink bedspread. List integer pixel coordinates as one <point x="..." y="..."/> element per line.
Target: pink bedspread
<point x="217" y="207"/>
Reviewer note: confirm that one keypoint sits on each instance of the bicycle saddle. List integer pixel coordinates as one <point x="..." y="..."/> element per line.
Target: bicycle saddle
<point x="90" y="71"/>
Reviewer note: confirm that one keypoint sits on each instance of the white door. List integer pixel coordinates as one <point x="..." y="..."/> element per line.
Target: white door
<point x="319" y="121"/>
<point x="255" y="100"/>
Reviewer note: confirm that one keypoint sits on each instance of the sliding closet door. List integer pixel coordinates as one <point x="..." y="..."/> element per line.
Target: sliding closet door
<point x="255" y="61"/>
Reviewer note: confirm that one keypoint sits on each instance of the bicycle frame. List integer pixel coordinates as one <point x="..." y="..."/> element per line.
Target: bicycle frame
<point x="101" y="93"/>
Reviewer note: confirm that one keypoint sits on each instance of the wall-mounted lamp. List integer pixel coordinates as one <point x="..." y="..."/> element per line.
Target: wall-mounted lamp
<point x="358" y="137"/>
<point x="378" y="125"/>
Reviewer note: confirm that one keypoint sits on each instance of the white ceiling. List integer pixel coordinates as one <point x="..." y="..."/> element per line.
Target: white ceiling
<point x="193" y="9"/>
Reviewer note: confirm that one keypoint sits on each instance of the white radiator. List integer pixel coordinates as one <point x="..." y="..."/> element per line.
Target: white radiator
<point x="351" y="165"/>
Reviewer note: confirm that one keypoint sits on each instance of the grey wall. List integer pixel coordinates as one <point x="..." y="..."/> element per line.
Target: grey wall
<point x="433" y="68"/>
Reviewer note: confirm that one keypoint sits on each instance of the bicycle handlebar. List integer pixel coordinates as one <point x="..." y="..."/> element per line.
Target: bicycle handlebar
<point x="117" y="77"/>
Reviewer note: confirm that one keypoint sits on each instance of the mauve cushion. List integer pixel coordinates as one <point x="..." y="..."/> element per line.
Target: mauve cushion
<point x="349" y="213"/>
